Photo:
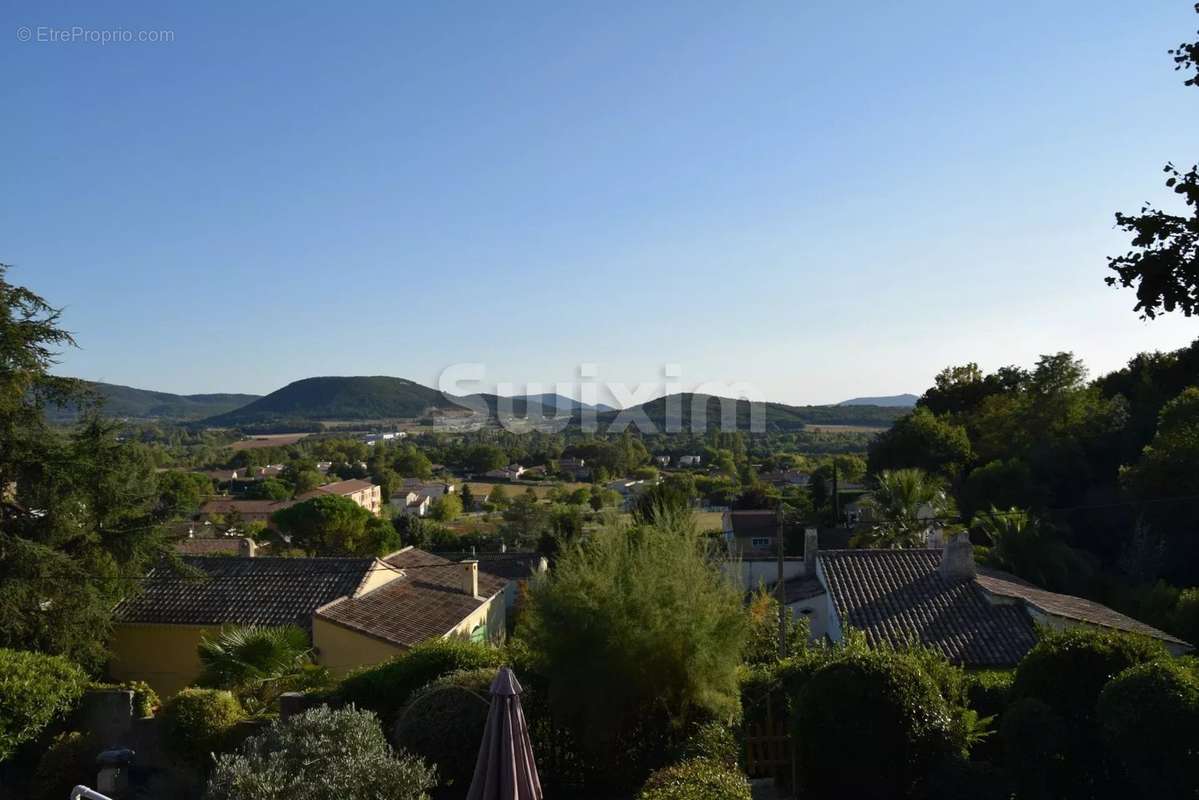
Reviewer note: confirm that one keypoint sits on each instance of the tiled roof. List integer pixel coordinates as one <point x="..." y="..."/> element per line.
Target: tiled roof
<point x="246" y="591"/>
<point x="512" y="565"/>
<point x="898" y="597"/>
<point x="340" y="488"/>
<point x="754" y="523"/>
<point x="208" y="545"/>
<point x="226" y="505"/>
<point x="1068" y="606"/>
<point x="801" y="588"/>
<point x="427" y="602"/>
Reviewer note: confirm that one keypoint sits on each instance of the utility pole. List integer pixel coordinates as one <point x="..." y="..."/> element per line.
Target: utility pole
<point x="781" y="587"/>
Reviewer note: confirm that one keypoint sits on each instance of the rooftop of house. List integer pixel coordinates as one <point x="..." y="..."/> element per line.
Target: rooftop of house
<point x="898" y="597"/>
<point x="243" y="590"/>
<point x="226" y="505"/>
<point x="210" y="545"/>
<point x="339" y="488"/>
<point x="428" y="600"/>
<point x="512" y="565"/>
<point x="752" y="523"/>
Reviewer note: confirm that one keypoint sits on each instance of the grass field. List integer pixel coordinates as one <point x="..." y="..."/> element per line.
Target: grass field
<point x="844" y="428"/>
<point x="268" y="440"/>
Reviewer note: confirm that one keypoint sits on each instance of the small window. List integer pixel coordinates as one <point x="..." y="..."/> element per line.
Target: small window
<point x="760" y="541"/>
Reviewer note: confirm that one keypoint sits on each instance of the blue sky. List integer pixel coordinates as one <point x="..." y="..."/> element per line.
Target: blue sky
<point x="823" y="200"/>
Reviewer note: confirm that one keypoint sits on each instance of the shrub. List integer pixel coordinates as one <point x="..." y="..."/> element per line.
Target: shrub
<point x="875" y="708"/>
<point x="1149" y="715"/>
<point x="713" y="741"/>
<point x="69" y="761"/>
<point x="322" y="754"/>
<point x="385" y="688"/>
<point x="636" y="631"/>
<point x="1034" y="739"/>
<point x="35" y="690"/>
<point x="696" y="779"/>
<point x="199" y="722"/>
<point x="1068" y="669"/>
<point x="988" y="691"/>
<point x="444" y="721"/>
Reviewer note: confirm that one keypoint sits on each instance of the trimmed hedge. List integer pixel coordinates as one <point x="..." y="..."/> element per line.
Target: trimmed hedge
<point x="35" y="690"/>
<point x="322" y="754"/>
<point x="1068" y="669"/>
<point x="878" y="708"/>
<point x="387" y="687"/>
<point x="444" y="721"/>
<point x="696" y="779"/>
<point x="1149" y="716"/>
<point x="199" y="722"/>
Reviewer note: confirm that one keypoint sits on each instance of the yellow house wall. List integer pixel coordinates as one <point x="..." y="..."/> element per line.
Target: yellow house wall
<point x="341" y="649"/>
<point x="163" y="656"/>
<point x="493" y="613"/>
<point x="379" y="574"/>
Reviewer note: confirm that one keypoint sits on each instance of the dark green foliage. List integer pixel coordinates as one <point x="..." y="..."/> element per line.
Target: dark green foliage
<point x="763" y="644"/>
<point x="1185" y="622"/>
<point x="923" y="441"/>
<point x="322" y="754"/>
<point x="199" y="722"/>
<point x="337" y="398"/>
<point x="989" y="691"/>
<point x="145" y="699"/>
<point x="696" y="779"/>
<point x="713" y="741"/>
<point x="329" y="525"/>
<point x="259" y="663"/>
<point x="875" y="708"/>
<point x="1036" y="742"/>
<point x="69" y="761"/>
<point x="636" y="632"/>
<point x="443" y="723"/>
<point x="385" y="688"/>
<point x="35" y="690"/>
<point x="125" y="402"/>
<point x="1149" y="715"/>
<point x="1068" y="669"/>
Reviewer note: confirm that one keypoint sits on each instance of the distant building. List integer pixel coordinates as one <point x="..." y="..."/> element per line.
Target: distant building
<point x="663" y="461"/>
<point x="751" y="532"/>
<point x="508" y="473"/>
<point x="247" y="510"/>
<point x="786" y="477"/>
<point x="362" y="492"/>
<point x="690" y="461"/>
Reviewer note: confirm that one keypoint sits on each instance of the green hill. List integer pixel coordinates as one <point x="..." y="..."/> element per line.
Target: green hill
<point x="338" y="398"/>
<point x="675" y="412"/>
<point x="128" y="402"/>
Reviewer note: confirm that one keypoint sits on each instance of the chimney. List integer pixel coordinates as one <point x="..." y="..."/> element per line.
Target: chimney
<point x="246" y="547"/>
<point x="470" y="577"/>
<point x="957" y="559"/>
<point x="811" y="542"/>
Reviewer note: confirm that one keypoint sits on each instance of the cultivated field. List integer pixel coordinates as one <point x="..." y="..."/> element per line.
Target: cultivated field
<point x="268" y="440"/>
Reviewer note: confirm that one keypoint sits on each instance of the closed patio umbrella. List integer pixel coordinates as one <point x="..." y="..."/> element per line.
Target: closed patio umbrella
<point x="505" y="769"/>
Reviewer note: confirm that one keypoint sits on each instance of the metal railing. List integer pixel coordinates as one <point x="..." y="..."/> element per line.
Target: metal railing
<point x="84" y="793"/>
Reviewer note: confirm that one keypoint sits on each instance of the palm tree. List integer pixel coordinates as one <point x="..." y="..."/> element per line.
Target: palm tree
<point x="1025" y="546"/>
<point x="906" y="504"/>
<point x="258" y="663"/>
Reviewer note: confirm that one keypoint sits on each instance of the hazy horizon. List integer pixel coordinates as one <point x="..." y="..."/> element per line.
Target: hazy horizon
<point x="824" y="205"/>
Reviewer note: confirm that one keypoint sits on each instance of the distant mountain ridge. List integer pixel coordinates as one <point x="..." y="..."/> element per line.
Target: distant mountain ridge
<point x="128" y="402"/>
<point x="888" y="401"/>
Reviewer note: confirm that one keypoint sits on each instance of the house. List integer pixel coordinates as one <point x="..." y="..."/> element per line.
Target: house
<point x="269" y="471"/>
<point x="751" y="532"/>
<point x="629" y="490"/>
<point x="362" y="492"/>
<point x="248" y="510"/>
<point x="786" y="477"/>
<point x="976" y="617"/>
<point x="323" y="467"/>
<point x="662" y="461"/>
<point x="508" y="473"/>
<point x="356" y="611"/>
<point x="574" y="469"/>
<point x="518" y="568"/>
<point x="690" y="461"/>
<point x="412" y="503"/>
<point x="216" y="546"/>
<point x="220" y="476"/>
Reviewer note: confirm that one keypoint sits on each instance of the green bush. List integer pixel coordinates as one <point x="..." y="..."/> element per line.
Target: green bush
<point x="880" y="709"/>
<point x="386" y="688"/>
<point x="1149" y="715"/>
<point x="1068" y="669"/>
<point x="696" y="779"/>
<point x="322" y="754"/>
<point x="35" y="690"/>
<point x="1035" y="742"/>
<point x="444" y="721"/>
<point x="69" y="761"/>
<point x="199" y="722"/>
<point x="713" y="741"/>
<point x="989" y="691"/>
